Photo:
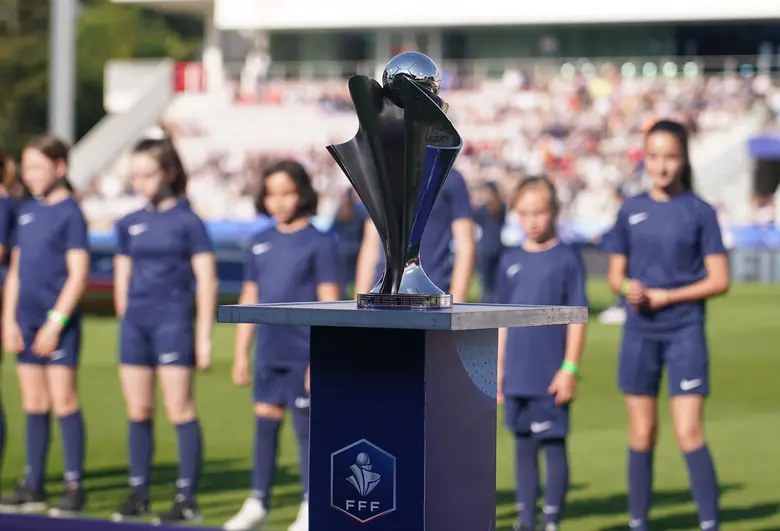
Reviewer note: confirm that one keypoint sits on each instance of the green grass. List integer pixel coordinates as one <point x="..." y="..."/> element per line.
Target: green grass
<point x="743" y="428"/>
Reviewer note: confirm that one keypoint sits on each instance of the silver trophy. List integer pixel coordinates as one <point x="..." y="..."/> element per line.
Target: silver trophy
<point x="397" y="163"/>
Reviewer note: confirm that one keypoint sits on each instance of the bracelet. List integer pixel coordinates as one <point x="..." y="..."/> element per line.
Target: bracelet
<point x="624" y="287"/>
<point x="57" y="317"/>
<point x="571" y="368"/>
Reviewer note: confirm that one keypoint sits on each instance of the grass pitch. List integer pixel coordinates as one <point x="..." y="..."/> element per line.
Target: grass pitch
<point x="743" y="428"/>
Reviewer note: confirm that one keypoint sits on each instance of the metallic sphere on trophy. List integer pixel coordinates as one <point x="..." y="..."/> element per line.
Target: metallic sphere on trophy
<point x="397" y="163"/>
<point x="414" y="66"/>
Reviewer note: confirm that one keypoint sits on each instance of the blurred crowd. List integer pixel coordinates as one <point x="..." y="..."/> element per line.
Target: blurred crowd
<point x="582" y="131"/>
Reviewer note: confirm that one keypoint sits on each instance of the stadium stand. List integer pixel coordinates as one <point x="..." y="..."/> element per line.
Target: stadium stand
<point x="582" y="129"/>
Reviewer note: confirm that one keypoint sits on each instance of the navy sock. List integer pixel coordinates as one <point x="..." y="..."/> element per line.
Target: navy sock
<point x="141" y="447"/>
<point x="620" y="302"/>
<point x="704" y="486"/>
<point x="72" y="430"/>
<point x="557" y="483"/>
<point x="300" y="418"/>
<point x="190" y="457"/>
<point x="266" y="441"/>
<point x="527" y="478"/>
<point x="38" y="439"/>
<point x="2" y="436"/>
<point x="640" y="487"/>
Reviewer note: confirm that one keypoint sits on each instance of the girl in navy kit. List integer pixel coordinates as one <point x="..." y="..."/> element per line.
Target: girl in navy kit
<point x="667" y="259"/>
<point x="538" y="366"/>
<point x="291" y="262"/>
<point x="42" y="322"/>
<point x="164" y="254"/>
<point x="7" y="221"/>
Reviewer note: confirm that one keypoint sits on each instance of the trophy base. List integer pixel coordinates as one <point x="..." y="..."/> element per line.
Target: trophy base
<point x="405" y="301"/>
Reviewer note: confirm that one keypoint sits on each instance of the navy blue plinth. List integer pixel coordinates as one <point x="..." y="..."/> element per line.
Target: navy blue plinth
<point x="421" y="406"/>
<point x="403" y="410"/>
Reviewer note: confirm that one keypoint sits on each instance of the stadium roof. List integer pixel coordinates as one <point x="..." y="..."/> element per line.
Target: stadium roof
<point x="345" y="14"/>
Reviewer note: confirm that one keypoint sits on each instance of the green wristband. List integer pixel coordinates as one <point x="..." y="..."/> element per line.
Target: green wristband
<point x="570" y="368"/>
<point x="624" y="287"/>
<point x="57" y="317"/>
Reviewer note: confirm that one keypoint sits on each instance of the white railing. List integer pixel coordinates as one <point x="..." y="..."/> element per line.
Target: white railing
<point x="106" y="141"/>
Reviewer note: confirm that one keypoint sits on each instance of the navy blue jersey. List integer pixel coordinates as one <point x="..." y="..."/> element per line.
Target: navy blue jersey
<point x="435" y="253"/>
<point x="161" y="246"/>
<point x="551" y="277"/>
<point x="45" y="234"/>
<point x="350" y="232"/>
<point x="7" y="223"/>
<point x="7" y="226"/>
<point x="288" y="267"/>
<point x="666" y="243"/>
<point x="491" y="226"/>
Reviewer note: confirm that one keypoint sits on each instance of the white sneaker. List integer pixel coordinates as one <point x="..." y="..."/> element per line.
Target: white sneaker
<point x="301" y="523"/>
<point x="252" y="514"/>
<point x="613" y="316"/>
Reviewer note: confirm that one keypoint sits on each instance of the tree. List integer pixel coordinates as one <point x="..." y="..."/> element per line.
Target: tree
<point x="105" y="31"/>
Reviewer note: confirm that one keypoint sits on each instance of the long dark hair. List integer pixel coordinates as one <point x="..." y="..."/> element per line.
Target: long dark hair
<point x="7" y="173"/>
<point x="307" y="196"/>
<point x="678" y="131"/>
<point x="164" y="152"/>
<point x="55" y="150"/>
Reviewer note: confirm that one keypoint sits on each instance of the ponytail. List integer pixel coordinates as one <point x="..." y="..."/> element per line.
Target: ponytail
<point x="7" y="172"/>
<point x="686" y="176"/>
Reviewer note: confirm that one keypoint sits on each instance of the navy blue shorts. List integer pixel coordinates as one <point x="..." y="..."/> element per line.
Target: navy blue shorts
<point x="67" y="352"/>
<point x="281" y="386"/>
<point x="684" y="353"/>
<point x="167" y="344"/>
<point x="537" y="416"/>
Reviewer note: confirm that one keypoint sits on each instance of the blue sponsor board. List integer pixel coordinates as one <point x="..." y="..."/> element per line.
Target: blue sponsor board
<point x="230" y="238"/>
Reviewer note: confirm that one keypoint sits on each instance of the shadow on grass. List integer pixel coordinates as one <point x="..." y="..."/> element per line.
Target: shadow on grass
<point x="505" y="500"/>
<point x="218" y="476"/>
<point x="728" y="515"/>
<point x="617" y="504"/>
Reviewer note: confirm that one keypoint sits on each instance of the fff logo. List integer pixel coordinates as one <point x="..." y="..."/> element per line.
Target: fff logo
<point x="362" y="481"/>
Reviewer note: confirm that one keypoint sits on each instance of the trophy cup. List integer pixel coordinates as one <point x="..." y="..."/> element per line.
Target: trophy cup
<point x="397" y="163"/>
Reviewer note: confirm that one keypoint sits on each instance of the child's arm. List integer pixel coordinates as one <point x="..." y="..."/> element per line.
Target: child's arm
<point x="367" y="259"/>
<point x="244" y="333"/>
<point x="564" y="385"/>
<point x="500" y="366"/>
<point x="575" y="342"/>
<point x="12" y="336"/>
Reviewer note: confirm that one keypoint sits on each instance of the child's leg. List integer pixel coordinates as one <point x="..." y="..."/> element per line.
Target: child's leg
<point x="298" y="404"/>
<point x="557" y="482"/>
<point x="176" y="383"/>
<point x="517" y="420"/>
<point x="267" y="424"/>
<point x="269" y="387"/>
<point x="527" y="479"/>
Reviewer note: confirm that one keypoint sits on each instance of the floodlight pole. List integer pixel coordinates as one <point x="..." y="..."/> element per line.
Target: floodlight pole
<point x="62" y="69"/>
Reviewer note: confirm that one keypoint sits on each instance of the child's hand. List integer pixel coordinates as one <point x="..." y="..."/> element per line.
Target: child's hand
<point x="203" y="354"/>
<point x="636" y="293"/>
<point x="500" y="391"/>
<point x="13" y="341"/>
<point x="657" y="298"/>
<point x="240" y="372"/>
<point x="47" y="339"/>
<point x="563" y="387"/>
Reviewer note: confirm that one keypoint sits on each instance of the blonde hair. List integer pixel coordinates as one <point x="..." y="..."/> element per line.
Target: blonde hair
<point x="538" y="183"/>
